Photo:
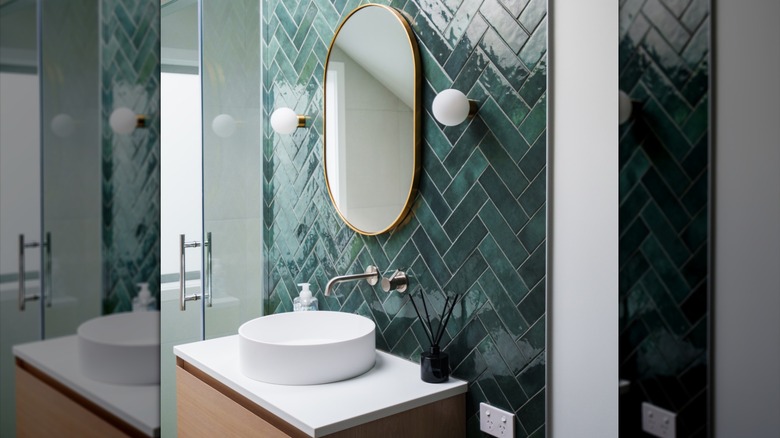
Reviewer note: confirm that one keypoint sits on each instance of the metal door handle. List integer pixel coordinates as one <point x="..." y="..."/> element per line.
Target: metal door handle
<point x="183" y="297"/>
<point x="207" y="275"/>
<point x="23" y="297"/>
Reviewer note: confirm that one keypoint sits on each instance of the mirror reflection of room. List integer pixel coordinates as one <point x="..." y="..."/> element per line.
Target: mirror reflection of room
<point x="80" y="257"/>
<point x="665" y="210"/>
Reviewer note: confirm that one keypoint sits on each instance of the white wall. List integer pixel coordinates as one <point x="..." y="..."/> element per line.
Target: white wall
<point x="747" y="219"/>
<point x="583" y="235"/>
<point x="583" y="299"/>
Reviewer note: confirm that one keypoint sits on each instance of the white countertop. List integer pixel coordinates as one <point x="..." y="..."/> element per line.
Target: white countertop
<point x="137" y="405"/>
<point x="392" y="386"/>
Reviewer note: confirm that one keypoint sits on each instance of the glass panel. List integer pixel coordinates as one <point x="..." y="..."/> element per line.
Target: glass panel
<point x="20" y="208"/>
<point x="181" y="208"/>
<point x="232" y="164"/>
<point x="71" y="164"/>
<point x="664" y="217"/>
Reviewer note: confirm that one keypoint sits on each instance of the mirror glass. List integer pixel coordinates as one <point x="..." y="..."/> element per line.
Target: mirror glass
<point x="664" y="216"/>
<point x="372" y="119"/>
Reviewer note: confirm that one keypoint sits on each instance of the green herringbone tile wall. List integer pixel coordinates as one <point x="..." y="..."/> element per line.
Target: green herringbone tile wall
<point x="664" y="211"/>
<point x="130" y="77"/>
<point x="478" y="225"/>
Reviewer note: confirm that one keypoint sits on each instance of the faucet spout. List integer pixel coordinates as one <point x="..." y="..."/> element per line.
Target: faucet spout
<point x="371" y="275"/>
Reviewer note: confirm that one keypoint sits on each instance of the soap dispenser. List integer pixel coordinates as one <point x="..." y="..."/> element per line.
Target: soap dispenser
<point x="304" y="301"/>
<point x="144" y="300"/>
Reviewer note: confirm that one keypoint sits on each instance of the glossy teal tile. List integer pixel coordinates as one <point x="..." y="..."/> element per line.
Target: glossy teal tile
<point x="503" y="234"/>
<point x="446" y="244"/>
<point x="507" y="26"/>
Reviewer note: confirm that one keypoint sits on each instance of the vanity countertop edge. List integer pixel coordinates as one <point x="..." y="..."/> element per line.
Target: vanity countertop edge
<point x="392" y="386"/>
<point x="138" y="405"/>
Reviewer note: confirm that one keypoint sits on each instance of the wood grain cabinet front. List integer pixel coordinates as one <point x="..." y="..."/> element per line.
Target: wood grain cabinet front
<point x="47" y="408"/>
<point x="208" y="408"/>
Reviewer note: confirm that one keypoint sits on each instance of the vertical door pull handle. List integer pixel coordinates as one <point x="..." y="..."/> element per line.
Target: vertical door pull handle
<point x="23" y="297"/>
<point x="183" y="297"/>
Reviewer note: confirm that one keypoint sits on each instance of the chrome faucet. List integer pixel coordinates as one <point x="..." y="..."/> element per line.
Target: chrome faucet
<point x="371" y="275"/>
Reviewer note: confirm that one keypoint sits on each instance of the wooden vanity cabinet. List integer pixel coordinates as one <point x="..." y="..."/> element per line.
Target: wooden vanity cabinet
<point x="47" y="408"/>
<point x="208" y="408"/>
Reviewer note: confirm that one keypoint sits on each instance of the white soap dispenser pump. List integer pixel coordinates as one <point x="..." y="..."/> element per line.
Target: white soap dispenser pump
<point x="304" y="302"/>
<point x="144" y="300"/>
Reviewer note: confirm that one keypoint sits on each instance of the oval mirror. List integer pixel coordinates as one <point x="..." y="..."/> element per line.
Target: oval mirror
<point x="372" y="119"/>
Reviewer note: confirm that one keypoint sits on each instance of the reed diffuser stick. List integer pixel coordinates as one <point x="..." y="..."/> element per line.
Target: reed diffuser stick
<point x="441" y="321"/>
<point x="427" y="330"/>
<point x="452" y="307"/>
<point x="427" y="316"/>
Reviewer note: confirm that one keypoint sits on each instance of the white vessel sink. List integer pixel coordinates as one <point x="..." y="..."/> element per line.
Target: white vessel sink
<point x="122" y="348"/>
<point x="306" y="348"/>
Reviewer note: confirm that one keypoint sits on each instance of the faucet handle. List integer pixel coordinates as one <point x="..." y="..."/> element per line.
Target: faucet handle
<point x="398" y="281"/>
<point x="371" y="269"/>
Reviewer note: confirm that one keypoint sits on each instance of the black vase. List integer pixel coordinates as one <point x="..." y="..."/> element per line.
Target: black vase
<point x="434" y="366"/>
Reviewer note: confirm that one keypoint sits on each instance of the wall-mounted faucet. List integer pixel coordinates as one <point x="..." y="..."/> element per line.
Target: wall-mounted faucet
<point x="398" y="281"/>
<point x="371" y="275"/>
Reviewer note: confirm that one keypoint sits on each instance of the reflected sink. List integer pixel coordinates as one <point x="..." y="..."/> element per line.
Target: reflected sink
<point x="122" y="348"/>
<point x="306" y="348"/>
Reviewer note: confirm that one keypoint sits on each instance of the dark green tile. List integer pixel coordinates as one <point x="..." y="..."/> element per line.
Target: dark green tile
<point x="534" y="269"/>
<point x="503" y="342"/>
<point x="492" y="391"/>
<point x="502" y="374"/>
<point x="503" y="234"/>
<point x="506" y="25"/>
<point x="465" y="244"/>
<point x="507" y="99"/>
<point x="696" y="12"/>
<point x="534" y="196"/>
<point x="696" y="269"/>
<point x="468" y="208"/>
<point x="666" y="57"/>
<point x="634" y="268"/>
<point x="632" y="172"/>
<point x="665" y="234"/>
<point x="504" y="130"/>
<point x="534" y="125"/>
<point x="666" y="23"/>
<point x="535" y="231"/>
<point x="465" y="178"/>
<point x="697" y="195"/>
<point x="534" y="305"/>
<point x="697" y="124"/>
<point x="631" y="240"/>
<point x="667" y="271"/>
<point x="536" y="47"/>
<point x="503" y="199"/>
<point x="532" y="414"/>
<point x="467" y="275"/>
<point x="695" y="234"/>
<point x="531" y="378"/>
<point x="468" y="368"/>
<point x="504" y="59"/>
<point x="464" y="146"/>
<point x="699" y="45"/>
<point x="506" y="273"/>
<point x="536" y="84"/>
<point x="667" y="201"/>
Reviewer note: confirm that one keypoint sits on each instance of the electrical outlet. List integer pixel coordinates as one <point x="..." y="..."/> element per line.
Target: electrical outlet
<point x="658" y="422"/>
<point x="496" y="422"/>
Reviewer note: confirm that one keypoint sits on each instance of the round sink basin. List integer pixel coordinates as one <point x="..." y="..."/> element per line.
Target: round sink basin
<point x="122" y="348"/>
<point x="306" y="348"/>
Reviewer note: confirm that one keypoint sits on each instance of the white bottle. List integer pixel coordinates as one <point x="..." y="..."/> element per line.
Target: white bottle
<point x="144" y="300"/>
<point x="304" y="301"/>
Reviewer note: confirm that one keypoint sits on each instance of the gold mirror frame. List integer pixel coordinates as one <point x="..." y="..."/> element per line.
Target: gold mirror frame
<point x="417" y="124"/>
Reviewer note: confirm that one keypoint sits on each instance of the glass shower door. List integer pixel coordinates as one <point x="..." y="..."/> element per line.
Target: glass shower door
<point x="211" y="176"/>
<point x="232" y="164"/>
<point x="20" y="207"/>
